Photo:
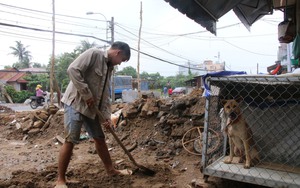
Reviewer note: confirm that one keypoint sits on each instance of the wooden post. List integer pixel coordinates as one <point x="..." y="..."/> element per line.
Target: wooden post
<point x="53" y="52"/>
<point x="112" y="26"/>
<point x="138" y="63"/>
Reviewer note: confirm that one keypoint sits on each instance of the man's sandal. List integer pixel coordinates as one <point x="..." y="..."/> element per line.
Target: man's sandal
<point x="125" y="172"/>
<point x="61" y="186"/>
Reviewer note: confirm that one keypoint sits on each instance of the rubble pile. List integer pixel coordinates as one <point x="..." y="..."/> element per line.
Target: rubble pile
<point x="152" y="129"/>
<point x="30" y="124"/>
<point x="171" y="118"/>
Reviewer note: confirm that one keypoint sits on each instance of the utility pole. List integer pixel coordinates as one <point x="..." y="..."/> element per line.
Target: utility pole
<point x="138" y="64"/>
<point x="113" y="72"/>
<point x="53" y="52"/>
<point x="112" y="25"/>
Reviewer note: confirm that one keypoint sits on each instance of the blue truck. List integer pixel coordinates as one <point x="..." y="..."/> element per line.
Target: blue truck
<point x="122" y="83"/>
<point x="127" y="83"/>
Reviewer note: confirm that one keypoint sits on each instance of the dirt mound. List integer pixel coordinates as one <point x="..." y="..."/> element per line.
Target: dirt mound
<point x="152" y="131"/>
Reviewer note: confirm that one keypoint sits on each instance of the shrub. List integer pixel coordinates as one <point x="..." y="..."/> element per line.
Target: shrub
<point x="18" y="96"/>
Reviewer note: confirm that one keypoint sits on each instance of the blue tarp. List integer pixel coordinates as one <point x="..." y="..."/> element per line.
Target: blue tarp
<point x="218" y="74"/>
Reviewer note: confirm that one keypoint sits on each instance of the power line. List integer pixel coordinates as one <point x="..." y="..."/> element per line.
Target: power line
<point x="67" y="22"/>
<point x="34" y="37"/>
<point x="247" y="50"/>
<point x="157" y="58"/>
<point x="185" y="34"/>
<point x="158" y="46"/>
<point x="44" y="12"/>
<point x="58" y="32"/>
<point x="42" y="30"/>
<point x="191" y="34"/>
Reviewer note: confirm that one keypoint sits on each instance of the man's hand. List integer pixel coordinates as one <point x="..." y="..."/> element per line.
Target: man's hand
<point x="107" y="124"/>
<point x="90" y="102"/>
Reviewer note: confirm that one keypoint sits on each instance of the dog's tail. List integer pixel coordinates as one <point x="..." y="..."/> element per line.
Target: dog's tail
<point x="255" y="157"/>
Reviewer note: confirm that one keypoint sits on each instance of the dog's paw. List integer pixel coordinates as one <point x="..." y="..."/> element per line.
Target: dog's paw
<point x="227" y="161"/>
<point x="246" y="166"/>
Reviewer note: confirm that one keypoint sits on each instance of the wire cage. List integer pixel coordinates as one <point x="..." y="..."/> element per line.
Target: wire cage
<point x="271" y="107"/>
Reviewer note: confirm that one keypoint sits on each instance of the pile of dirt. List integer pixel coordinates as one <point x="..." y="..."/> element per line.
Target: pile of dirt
<point x="152" y="132"/>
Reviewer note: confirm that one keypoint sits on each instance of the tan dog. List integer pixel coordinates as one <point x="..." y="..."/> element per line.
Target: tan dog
<point x="240" y="135"/>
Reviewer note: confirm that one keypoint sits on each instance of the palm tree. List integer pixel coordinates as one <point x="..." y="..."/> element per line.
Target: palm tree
<point x="85" y="45"/>
<point x="22" y="53"/>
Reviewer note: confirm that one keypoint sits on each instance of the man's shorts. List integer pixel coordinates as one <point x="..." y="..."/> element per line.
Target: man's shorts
<point x="73" y="121"/>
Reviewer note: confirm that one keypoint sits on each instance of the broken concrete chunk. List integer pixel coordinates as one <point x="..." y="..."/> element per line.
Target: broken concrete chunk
<point x="18" y="126"/>
<point x="33" y="131"/>
<point x="38" y="124"/>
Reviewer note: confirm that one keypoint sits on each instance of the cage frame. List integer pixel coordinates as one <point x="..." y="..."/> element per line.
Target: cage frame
<point x="254" y="175"/>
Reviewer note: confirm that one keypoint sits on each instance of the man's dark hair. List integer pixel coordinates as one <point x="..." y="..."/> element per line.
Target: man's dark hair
<point x="124" y="47"/>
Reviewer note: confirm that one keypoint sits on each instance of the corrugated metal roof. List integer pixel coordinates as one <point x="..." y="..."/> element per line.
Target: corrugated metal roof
<point x="34" y="69"/>
<point x="17" y="77"/>
<point x="12" y="75"/>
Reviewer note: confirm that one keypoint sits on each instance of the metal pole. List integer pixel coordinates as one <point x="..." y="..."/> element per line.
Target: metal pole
<point x="106" y="24"/>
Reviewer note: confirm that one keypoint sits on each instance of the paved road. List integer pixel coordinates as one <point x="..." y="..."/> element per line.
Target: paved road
<point x="20" y="107"/>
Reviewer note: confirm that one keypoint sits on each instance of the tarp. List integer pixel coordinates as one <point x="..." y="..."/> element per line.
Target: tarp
<point x="249" y="11"/>
<point x="207" y="12"/>
<point x="296" y="47"/>
<point x="218" y="74"/>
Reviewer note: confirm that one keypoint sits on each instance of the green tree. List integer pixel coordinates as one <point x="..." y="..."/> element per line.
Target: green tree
<point x="37" y="65"/>
<point x="144" y="75"/>
<point x="168" y="81"/>
<point x="62" y="63"/>
<point x="129" y="71"/>
<point x="24" y="56"/>
<point x="179" y="80"/>
<point x="84" y="45"/>
<point x="35" y="79"/>
<point x="154" y="79"/>
<point x="7" y="67"/>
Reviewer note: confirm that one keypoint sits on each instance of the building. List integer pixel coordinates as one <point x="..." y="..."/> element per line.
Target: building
<point x="15" y="77"/>
<point x="203" y="68"/>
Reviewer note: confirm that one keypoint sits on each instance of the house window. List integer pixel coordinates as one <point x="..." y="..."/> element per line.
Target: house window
<point x="23" y="86"/>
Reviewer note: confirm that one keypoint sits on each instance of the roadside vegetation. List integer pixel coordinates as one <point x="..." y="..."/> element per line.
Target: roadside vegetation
<point x="63" y="60"/>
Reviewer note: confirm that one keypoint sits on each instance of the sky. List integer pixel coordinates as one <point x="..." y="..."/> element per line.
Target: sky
<point x="166" y="34"/>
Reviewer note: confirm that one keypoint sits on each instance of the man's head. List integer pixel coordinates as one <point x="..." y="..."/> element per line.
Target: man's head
<point x="119" y="52"/>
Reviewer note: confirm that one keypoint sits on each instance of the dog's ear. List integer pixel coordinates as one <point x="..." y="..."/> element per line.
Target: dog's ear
<point x="223" y="102"/>
<point x="239" y="99"/>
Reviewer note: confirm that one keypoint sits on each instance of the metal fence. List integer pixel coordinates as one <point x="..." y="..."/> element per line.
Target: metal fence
<point x="271" y="107"/>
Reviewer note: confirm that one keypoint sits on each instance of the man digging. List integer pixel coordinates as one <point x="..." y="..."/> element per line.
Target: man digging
<point x="90" y="75"/>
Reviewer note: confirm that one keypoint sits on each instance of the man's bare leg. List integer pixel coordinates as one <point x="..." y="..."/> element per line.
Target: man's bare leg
<point x="63" y="161"/>
<point x="103" y="153"/>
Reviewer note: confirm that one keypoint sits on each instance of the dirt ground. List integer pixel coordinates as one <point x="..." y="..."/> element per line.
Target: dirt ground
<point x="29" y="158"/>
